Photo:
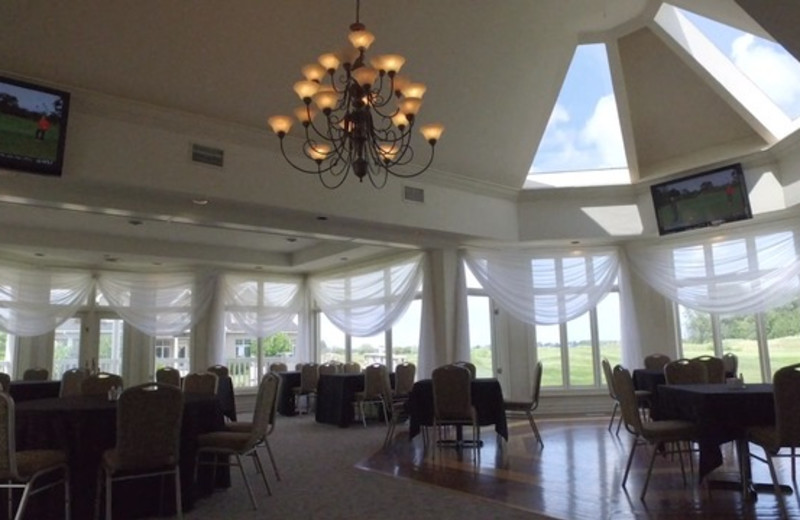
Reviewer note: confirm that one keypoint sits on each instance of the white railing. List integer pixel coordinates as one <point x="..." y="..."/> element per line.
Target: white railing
<point x="243" y="372"/>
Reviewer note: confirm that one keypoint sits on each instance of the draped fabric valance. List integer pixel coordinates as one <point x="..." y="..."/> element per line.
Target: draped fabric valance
<point x="744" y="270"/>
<point x="36" y="301"/>
<point x="262" y="305"/>
<point x="541" y="286"/>
<point x="368" y="299"/>
<point x="158" y="303"/>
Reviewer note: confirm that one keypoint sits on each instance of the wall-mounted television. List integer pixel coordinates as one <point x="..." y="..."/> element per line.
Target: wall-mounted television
<point x="33" y="127"/>
<point x="705" y="199"/>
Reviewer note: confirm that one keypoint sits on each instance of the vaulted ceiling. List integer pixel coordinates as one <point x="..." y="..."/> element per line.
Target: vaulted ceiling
<point x="493" y="71"/>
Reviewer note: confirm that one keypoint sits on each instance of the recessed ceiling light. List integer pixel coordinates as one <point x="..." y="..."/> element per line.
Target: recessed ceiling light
<point x="321" y="217"/>
<point x="38" y="254"/>
<point x="291" y="239"/>
<point x="200" y="202"/>
<point x="575" y="242"/>
<point x="135" y="222"/>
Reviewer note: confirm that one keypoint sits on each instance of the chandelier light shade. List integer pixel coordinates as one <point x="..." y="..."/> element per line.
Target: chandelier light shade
<point x="357" y="116"/>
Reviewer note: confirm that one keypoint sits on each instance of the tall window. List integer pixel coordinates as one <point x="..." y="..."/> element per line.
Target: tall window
<point x="110" y="346"/>
<point x="172" y="351"/>
<point x="479" y="307"/>
<point x="398" y="345"/>
<point x="6" y="350"/>
<point x="248" y="357"/>
<point x="67" y="346"/>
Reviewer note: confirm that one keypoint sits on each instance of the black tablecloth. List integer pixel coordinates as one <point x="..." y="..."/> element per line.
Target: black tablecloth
<point x="487" y="398"/>
<point x="289" y="380"/>
<point x="227" y="399"/>
<point x="335" y="397"/>
<point x="85" y="426"/>
<point x="721" y="413"/>
<point x="28" y="390"/>
<point x="647" y="379"/>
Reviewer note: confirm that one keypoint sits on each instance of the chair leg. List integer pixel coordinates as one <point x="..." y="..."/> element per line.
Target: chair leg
<point x="794" y="475"/>
<point x="178" y="500"/>
<point x="23" y="502"/>
<point x="67" y="502"/>
<point x="108" y="495"/>
<point x="361" y="412"/>
<point x="649" y="472"/>
<point x="246" y="482"/>
<point x="535" y="429"/>
<point x="772" y="473"/>
<point x="630" y="460"/>
<point x="272" y="460"/>
<point x="613" y="414"/>
<point x="260" y="469"/>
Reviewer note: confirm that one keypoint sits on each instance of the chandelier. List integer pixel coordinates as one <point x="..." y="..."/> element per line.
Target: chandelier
<point x="368" y="113"/>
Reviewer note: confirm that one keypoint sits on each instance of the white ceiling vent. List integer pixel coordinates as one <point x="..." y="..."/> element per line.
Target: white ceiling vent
<point x="411" y="194"/>
<point x="208" y="155"/>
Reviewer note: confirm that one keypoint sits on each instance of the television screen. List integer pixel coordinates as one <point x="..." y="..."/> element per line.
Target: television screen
<point x="705" y="199"/>
<point x="33" y="126"/>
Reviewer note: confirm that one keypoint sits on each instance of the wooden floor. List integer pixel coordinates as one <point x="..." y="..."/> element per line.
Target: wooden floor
<point x="578" y="475"/>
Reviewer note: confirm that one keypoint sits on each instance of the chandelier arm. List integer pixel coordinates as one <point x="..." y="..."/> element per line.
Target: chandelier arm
<point x="297" y="167"/>
<point x="338" y="176"/>
<point x="414" y="174"/>
<point x="382" y="174"/>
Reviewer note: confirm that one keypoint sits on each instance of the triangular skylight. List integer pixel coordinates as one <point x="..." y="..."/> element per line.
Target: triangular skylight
<point x="582" y="144"/>
<point x="766" y="63"/>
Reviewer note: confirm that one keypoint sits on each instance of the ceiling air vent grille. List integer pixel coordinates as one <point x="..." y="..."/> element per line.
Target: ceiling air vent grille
<point x="208" y="155"/>
<point x="411" y="194"/>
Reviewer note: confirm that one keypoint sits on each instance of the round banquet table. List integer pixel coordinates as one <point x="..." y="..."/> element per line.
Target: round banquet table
<point x="85" y="426"/>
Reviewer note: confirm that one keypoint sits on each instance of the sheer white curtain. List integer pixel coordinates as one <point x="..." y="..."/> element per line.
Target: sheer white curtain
<point x="368" y="299"/>
<point x="541" y="286"/>
<point x="158" y="303"/>
<point x="744" y="270"/>
<point x="36" y="301"/>
<point x="262" y="305"/>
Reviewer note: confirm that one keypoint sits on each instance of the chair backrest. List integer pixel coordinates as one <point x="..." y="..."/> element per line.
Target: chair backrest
<point x="626" y="395"/>
<point x="328" y="368"/>
<point x="452" y="393"/>
<point x="656" y="361"/>
<point x="609" y="375"/>
<point x="537" y="385"/>
<point x="72" y="381"/>
<point x="731" y="363"/>
<point x="264" y="412"/>
<point x="375" y="376"/>
<point x="309" y="376"/>
<point x="8" y="451"/>
<point x="100" y="383"/>
<point x="469" y="366"/>
<point x="278" y="367"/>
<point x="715" y="368"/>
<point x="404" y="375"/>
<point x="149" y="426"/>
<point x="352" y="367"/>
<point x="36" y="374"/>
<point x="169" y="376"/>
<point x="298" y="366"/>
<point x="220" y="370"/>
<point x="5" y="382"/>
<point x="205" y="383"/>
<point x="685" y="372"/>
<point x="786" y="387"/>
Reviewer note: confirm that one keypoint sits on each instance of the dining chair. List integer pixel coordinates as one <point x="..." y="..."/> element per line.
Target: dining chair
<point x="309" y="377"/>
<point x="452" y="403"/>
<point x="328" y="368"/>
<point x="642" y="396"/>
<point x="149" y="420"/>
<point x="220" y="370"/>
<point x="731" y="363"/>
<point x="404" y="375"/>
<point x="375" y="378"/>
<point x="226" y="444"/>
<point x="351" y="367"/>
<point x="22" y="469"/>
<point x="72" y="381"/>
<point x="205" y="383"/>
<point x="36" y="374"/>
<point x="395" y="406"/>
<point x="473" y="371"/>
<point x="685" y="372"/>
<point x="656" y="361"/>
<point x="659" y="435"/>
<point x="278" y="367"/>
<point x="715" y="368"/>
<point x="169" y="375"/>
<point x="785" y="432"/>
<point x="99" y="384"/>
<point x="298" y="366"/>
<point x="529" y="406"/>
<point x="247" y="426"/>
<point x="5" y="382"/>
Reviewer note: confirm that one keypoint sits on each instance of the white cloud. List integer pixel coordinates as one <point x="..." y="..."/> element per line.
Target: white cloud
<point x="775" y="71"/>
<point x="603" y="135"/>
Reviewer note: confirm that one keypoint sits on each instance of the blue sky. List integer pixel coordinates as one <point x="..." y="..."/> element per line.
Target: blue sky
<point x="583" y="132"/>
<point x="30" y="99"/>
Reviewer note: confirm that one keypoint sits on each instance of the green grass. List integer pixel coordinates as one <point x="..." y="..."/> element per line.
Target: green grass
<point x="18" y="136"/>
<point x="695" y="210"/>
